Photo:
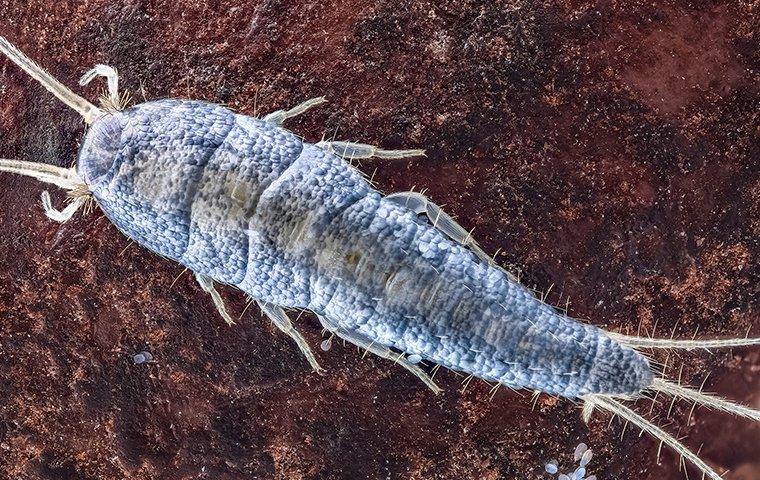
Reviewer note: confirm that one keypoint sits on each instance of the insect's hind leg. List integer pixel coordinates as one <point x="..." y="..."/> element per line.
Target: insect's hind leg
<point x="420" y="204"/>
<point x="355" y="151"/>
<point x="380" y="351"/>
<point x="278" y="316"/>
<point x="278" y="117"/>
<point x="207" y="284"/>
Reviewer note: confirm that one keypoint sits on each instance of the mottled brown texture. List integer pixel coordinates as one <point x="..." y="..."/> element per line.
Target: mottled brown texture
<point x="610" y="150"/>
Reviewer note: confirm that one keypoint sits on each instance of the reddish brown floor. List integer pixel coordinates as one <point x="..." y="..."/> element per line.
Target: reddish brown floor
<point x="609" y="150"/>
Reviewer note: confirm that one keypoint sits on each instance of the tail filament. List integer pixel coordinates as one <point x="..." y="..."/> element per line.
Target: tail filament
<point x="613" y="406"/>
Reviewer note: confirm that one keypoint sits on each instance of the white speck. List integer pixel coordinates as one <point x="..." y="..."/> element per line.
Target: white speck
<point x="579" y="451"/>
<point x="142" y="357"/>
<point x="586" y="458"/>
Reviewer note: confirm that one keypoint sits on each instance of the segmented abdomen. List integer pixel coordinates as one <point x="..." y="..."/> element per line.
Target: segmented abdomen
<point x="403" y="284"/>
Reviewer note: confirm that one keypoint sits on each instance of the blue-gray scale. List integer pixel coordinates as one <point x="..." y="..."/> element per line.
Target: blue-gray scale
<point x="249" y="204"/>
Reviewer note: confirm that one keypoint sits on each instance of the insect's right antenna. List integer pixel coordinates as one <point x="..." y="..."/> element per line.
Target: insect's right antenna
<point x="85" y="108"/>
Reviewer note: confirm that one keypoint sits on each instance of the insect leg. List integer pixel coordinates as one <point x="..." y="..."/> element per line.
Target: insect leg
<point x="420" y="204"/>
<point x="112" y="77"/>
<point x="61" y="216"/>
<point x="380" y="351"/>
<point x="208" y="286"/>
<point x="441" y="220"/>
<point x="278" y="117"/>
<point x="352" y="150"/>
<point x="278" y="316"/>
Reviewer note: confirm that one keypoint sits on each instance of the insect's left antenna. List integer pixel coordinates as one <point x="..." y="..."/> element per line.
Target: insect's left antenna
<point x="87" y="110"/>
<point x="65" y="178"/>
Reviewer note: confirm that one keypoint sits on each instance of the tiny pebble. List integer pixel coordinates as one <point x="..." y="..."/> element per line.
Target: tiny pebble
<point x="414" y="358"/>
<point x="579" y="473"/>
<point x="586" y="458"/>
<point x="563" y="477"/>
<point x="142" y="357"/>
<point x="579" y="451"/>
<point x="551" y="467"/>
<point x="326" y="344"/>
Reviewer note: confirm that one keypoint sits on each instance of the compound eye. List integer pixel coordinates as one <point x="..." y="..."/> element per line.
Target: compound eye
<point x="101" y="144"/>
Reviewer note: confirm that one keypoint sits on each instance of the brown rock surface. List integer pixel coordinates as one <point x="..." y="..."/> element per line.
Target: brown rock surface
<point x="609" y="150"/>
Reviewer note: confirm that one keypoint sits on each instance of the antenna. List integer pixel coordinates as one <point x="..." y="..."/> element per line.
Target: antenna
<point x="85" y="108"/>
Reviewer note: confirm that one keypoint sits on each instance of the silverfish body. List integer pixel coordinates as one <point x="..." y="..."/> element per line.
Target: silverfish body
<point x="247" y="203"/>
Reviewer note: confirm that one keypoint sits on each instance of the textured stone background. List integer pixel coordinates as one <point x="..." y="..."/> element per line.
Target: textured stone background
<point x="609" y="149"/>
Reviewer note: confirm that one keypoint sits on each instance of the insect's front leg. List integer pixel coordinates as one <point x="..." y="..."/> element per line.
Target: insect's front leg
<point x="112" y="77"/>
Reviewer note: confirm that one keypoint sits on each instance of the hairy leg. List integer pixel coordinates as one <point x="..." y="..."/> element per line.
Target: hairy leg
<point x="208" y="286"/>
<point x="381" y="351"/>
<point x="278" y="117"/>
<point x="354" y="151"/>
<point x="278" y="316"/>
